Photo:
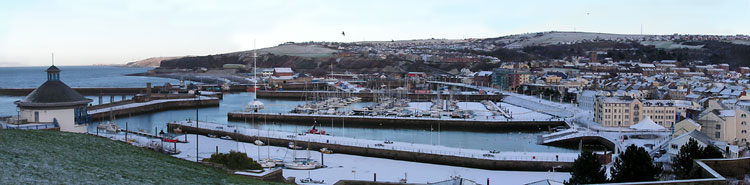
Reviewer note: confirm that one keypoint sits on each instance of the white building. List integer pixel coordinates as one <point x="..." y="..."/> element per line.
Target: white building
<point x="54" y="102"/>
<point x="586" y="99"/>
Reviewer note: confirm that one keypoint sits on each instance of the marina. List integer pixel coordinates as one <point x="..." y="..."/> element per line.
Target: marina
<point x="526" y="161"/>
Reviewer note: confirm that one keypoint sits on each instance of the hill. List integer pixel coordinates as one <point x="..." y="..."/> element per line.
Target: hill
<point x="149" y="62"/>
<point x="51" y="157"/>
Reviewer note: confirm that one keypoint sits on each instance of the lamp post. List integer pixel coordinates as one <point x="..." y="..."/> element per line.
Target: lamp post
<point x="197" y="103"/>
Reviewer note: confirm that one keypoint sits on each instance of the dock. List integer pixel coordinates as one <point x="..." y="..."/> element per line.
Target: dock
<point x="405" y="122"/>
<point x="152" y="106"/>
<point x="370" y="96"/>
<point x="472" y="158"/>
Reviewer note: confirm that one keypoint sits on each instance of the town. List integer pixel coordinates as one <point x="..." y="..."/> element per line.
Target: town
<point x="461" y="104"/>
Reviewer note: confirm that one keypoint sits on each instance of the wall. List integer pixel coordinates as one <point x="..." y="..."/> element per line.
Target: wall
<point x="395" y="154"/>
<point x="64" y="117"/>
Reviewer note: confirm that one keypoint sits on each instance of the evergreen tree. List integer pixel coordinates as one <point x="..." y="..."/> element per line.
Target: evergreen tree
<point x="587" y="170"/>
<point x="634" y="165"/>
<point x="682" y="164"/>
<point x="711" y="152"/>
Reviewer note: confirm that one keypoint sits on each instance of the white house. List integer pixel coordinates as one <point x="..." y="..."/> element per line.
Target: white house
<point x="679" y="141"/>
<point x="54" y="102"/>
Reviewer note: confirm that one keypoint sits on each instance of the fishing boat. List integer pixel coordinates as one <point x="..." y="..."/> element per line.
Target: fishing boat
<point x="314" y="130"/>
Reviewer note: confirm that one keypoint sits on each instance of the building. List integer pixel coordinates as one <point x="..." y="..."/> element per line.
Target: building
<point x="282" y="71"/>
<point x="56" y="103"/>
<point x="483" y="78"/>
<point x="625" y="111"/>
<point x="509" y="79"/>
<point x="725" y="123"/>
<point x="676" y="143"/>
<point x="586" y="99"/>
<point x="685" y="126"/>
<point x="666" y="112"/>
<point x="617" y="111"/>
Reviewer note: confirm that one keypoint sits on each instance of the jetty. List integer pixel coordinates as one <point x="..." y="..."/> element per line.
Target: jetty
<point x="450" y="123"/>
<point x="133" y="108"/>
<point x="472" y="158"/>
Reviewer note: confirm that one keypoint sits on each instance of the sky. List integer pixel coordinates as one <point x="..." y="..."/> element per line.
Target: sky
<point x="87" y="32"/>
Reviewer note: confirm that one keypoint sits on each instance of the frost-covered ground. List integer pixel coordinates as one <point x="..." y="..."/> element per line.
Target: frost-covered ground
<point x="51" y="157"/>
<point x="520" y="113"/>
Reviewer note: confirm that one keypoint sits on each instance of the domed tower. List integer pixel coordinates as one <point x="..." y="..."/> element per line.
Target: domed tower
<point x="55" y="102"/>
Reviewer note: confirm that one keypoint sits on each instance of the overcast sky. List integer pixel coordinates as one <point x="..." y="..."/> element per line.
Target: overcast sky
<point x="108" y="32"/>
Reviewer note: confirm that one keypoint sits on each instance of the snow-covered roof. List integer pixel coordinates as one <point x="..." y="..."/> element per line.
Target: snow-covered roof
<point x="693" y="96"/>
<point x="697" y="135"/>
<point x="647" y="124"/>
<point x="545" y="182"/>
<point x="283" y="70"/>
<point x="726" y="113"/>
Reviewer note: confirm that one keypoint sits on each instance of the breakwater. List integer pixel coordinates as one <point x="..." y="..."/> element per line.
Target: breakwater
<point x="152" y="106"/>
<point x="456" y="124"/>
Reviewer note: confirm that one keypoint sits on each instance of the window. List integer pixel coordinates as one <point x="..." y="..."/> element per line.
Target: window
<point x="743" y="123"/>
<point x="744" y="131"/>
<point x="718" y="126"/>
<point x="743" y="115"/>
<point x="718" y="135"/>
<point x="674" y="146"/>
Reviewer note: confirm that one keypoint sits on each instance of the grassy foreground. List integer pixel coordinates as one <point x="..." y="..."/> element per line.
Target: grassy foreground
<point x="51" y="157"/>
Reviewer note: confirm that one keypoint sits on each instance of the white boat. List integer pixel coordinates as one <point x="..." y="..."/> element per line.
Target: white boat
<point x="267" y="163"/>
<point x="226" y="138"/>
<point x="109" y="127"/>
<point x="301" y="164"/>
<point x="258" y="142"/>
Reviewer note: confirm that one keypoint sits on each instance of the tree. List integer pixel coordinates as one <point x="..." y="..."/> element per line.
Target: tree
<point x="682" y="165"/>
<point x="587" y="170"/>
<point x="634" y="165"/>
<point x="710" y="152"/>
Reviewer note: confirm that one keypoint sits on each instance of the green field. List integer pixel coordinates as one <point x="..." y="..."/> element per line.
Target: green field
<point x="51" y="157"/>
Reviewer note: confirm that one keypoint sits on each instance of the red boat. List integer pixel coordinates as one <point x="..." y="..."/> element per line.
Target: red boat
<point x="313" y="130"/>
<point x="171" y="140"/>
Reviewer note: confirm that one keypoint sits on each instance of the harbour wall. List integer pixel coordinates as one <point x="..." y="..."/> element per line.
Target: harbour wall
<point x="154" y="107"/>
<point x="456" y="124"/>
<point x="451" y="160"/>
<point x="369" y="96"/>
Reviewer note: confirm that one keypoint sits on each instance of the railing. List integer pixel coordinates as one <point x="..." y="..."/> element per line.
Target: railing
<point x="30" y="127"/>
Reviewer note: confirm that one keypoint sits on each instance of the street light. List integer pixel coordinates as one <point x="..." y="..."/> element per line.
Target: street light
<point x="197" y="105"/>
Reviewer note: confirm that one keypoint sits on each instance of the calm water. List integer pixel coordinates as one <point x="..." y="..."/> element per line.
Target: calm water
<point x="79" y="76"/>
<point x="112" y="76"/>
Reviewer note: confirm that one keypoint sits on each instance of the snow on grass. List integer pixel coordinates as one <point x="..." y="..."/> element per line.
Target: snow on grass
<point x="50" y="157"/>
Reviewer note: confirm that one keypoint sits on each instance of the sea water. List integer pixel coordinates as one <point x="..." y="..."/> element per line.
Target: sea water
<point x="101" y="76"/>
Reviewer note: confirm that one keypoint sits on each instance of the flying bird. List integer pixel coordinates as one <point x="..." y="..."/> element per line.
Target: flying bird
<point x="343" y="34"/>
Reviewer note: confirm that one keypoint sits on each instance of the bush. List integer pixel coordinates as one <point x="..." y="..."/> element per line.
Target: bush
<point x="234" y="160"/>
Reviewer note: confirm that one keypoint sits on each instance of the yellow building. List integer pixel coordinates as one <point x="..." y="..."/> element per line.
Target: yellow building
<point x="616" y="111"/>
<point x="685" y="126"/>
<point x="626" y="111"/>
